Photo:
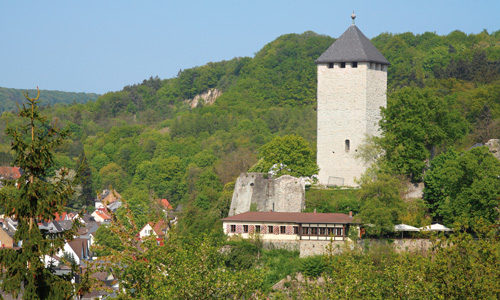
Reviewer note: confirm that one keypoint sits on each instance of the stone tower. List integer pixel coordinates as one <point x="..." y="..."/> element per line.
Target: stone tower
<point x="352" y="86"/>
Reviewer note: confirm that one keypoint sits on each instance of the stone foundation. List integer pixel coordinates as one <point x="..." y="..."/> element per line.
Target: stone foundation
<point x="287" y="245"/>
<point x="308" y="248"/>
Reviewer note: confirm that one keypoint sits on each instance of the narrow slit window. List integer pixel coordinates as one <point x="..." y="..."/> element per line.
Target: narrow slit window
<point x="355" y="64"/>
<point x="347" y="145"/>
<point x="330" y="66"/>
<point x="342" y="65"/>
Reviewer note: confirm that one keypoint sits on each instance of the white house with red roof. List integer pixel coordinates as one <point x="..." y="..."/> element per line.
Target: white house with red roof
<point x="101" y="216"/>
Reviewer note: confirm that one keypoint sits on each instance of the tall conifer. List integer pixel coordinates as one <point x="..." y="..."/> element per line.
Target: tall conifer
<point x="23" y="271"/>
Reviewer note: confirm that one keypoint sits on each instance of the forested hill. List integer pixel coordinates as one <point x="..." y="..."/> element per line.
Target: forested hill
<point x="9" y="97"/>
<point x="147" y="142"/>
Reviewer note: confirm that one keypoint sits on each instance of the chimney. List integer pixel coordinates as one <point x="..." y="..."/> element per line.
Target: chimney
<point x="350" y="213"/>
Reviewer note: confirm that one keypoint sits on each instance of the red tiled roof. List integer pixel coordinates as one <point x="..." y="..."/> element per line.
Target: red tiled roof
<point x="159" y="227"/>
<point x="291" y="217"/>
<point x="103" y="215"/>
<point x="165" y="204"/>
<point x="10" y="173"/>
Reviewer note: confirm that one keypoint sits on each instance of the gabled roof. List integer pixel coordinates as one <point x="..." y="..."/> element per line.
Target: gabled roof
<point x="165" y="204"/>
<point x="160" y="228"/>
<point x="109" y="196"/>
<point x="291" y="217"/>
<point x="80" y="247"/>
<point x="351" y="46"/>
<point x="102" y="214"/>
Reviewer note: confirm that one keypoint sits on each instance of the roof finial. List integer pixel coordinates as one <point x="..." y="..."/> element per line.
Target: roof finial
<point x="353" y="16"/>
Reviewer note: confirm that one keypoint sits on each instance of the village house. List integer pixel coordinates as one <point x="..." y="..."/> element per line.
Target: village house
<point x="9" y="173"/>
<point x="8" y="228"/>
<point x="158" y="230"/>
<point x="77" y="248"/>
<point x="6" y="238"/>
<point x="101" y="216"/>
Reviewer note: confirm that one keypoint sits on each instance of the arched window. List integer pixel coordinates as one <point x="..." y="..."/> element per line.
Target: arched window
<point x="347" y="145"/>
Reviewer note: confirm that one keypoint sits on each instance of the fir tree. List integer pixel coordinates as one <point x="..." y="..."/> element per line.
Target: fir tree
<point x="23" y="271"/>
<point x="84" y="178"/>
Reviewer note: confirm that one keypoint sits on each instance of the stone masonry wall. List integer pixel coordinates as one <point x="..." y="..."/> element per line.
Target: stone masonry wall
<point x="308" y="248"/>
<point x="283" y="194"/>
<point x="349" y="101"/>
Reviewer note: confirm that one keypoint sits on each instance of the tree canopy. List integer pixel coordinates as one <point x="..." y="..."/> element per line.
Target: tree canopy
<point x="289" y="154"/>
<point x="464" y="186"/>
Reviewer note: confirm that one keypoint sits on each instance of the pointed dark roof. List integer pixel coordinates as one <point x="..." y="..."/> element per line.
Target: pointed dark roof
<point x="352" y="45"/>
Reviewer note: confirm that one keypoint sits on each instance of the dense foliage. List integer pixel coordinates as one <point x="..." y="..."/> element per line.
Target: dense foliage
<point x="10" y="98"/>
<point x="148" y="142"/>
<point x="457" y="267"/>
<point x="464" y="186"/>
<point x="289" y="154"/>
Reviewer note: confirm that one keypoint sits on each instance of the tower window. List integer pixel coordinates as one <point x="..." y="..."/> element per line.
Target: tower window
<point x="354" y="64"/>
<point x="342" y="65"/>
<point x="330" y="66"/>
<point x="347" y="145"/>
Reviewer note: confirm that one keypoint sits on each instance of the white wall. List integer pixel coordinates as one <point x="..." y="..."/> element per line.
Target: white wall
<point x="348" y="109"/>
<point x="147" y="230"/>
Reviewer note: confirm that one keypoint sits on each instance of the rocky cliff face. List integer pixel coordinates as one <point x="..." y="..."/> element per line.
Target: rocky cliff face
<point x="494" y="147"/>
<point x="256" y="191"/>
<point x="206" y="98"/>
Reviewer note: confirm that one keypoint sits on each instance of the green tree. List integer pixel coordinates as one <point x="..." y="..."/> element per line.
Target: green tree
<point x="382" y="205"/>
<point x="84" y="178"/>
<point x="23" y="270"/>
<point x="290" y="154"/>
<point x="415" y="124"/>
<point x="464" y="186"/>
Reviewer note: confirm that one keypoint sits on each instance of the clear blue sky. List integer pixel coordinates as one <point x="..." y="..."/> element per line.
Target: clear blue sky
<point x="103" y="45"/>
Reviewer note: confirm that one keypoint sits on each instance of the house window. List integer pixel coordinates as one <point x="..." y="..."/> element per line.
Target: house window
<point x="282" y="229"/>
<point x="355" y="64"/>
<point x="233" y="228"/>
<point x="347" y="145"/>
<point x="330" y="66"/>
<point x="331" y="231"/>
<point x="245" y="228"/>
<point x="257" y="228"/>
<point x="269" y="229"/>
<point x="314" y="231"/>
<point x="295" y="229"/>
<point x="342" y="65"/>
<point x="339" y="232"/>
<point x="322" y="231"/>
<point x="305" y="230"/>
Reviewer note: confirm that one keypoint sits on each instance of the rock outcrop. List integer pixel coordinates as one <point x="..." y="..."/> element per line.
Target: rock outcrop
<point x="206" y="98"/>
